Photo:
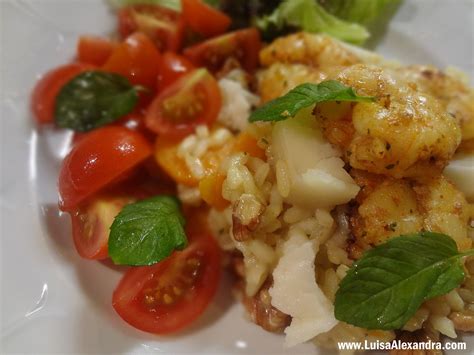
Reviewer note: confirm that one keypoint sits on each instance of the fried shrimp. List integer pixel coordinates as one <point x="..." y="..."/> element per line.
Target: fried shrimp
<point x="404" y="133"/>
<point x="388" y="207"/>
<point x="453" y="93"/>
<point x="279" y="78"/>
<point x="310" y="49"/>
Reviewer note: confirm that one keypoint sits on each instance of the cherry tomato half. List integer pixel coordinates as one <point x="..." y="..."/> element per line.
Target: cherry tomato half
<point x="165" y="297"/>
<point x="243" y="45"/>
<point x="91" y="224"/>
<point x="204" y="19"/>
<point x="164" y="26"/>
<point x="137" y="59"/>
<point x="192" y="100"/>
<point x="97" y="160"/>
<point x="44" y="94"/>
<point x="94" y="50"/>
<point x="173" y="66"/>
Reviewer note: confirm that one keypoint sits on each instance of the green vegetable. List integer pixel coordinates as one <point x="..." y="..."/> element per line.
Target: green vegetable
<point x="364" y="12"/>
<point x="93" y="99"/>
<point x="302" y="96"/>
<point x="389" y="283"/>
<point x="308" y="15"/>
<point x="172" y="4"/>
<point x="213" y="3"/>
<point x="146" y="232"/>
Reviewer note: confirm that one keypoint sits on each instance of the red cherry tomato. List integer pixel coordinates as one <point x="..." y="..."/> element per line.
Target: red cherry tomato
<point x="173" y="66"/>
<point x="164" y="26"/>
<point x="44" y="94"/>
<point x="94" y="50"/>
<point x="204" y="19"/>
<point x="192" y="100"/>
<point x="98" y="159"/>
<point x="243" y="45"/>
<point x="91" y="224"/>
<point x="168" y="296"/>
<point x="137" y="59"/>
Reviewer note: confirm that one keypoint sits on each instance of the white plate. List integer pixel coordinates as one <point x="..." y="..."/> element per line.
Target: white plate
<point x="52" y="300"/>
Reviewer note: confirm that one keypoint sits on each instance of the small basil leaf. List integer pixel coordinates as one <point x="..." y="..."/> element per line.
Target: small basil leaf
<point x="93" y="99"/>
<point x="385" y="288"/>
<point x="302" y="96"/>
<point x="146" y="232"/>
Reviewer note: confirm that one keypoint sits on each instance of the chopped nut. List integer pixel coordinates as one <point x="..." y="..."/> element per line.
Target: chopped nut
<point x="463" y="320"/>
<point x="260" y="310"/>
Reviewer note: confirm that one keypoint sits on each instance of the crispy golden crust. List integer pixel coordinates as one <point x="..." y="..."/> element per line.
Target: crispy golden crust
<point x="387" y="207"/>
<point x="310" y="49"/>
<point x="405" y="133"/>
<point x="455" y="95"/>
<point x="279" y="78"/>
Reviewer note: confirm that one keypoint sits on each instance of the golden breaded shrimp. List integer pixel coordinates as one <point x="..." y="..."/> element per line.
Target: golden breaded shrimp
<point x="445" y="209"/>
<point x="456" y="95"/>
<point x="280" y="78"/>
<point x="310" y="49"/>
<point x="387" y="207"/>
<point x="404" y="133"/>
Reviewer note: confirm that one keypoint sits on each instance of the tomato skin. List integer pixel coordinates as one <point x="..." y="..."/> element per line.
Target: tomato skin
<point x="90" y="226"/>
<point x="94" y="50"/>
<point x="163" y="26"/>
<point x="43" y="98"/>
<point x="197" y="89"/>
<point x="98" y="159"/>
<point x="129" y="296"/>
<point x="173" y="67"/>
<point x="137" y="59"/>
<point x="204" y="19"/>
<point x="244" y="45"/>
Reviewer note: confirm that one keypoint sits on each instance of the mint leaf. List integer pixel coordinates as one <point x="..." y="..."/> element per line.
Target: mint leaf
<point x="385" y="288"/>
<point x="146" y="232"/>
<point x="309" y="16"/>
<point x="93" y="99"/>
<point x="302" y="96"/>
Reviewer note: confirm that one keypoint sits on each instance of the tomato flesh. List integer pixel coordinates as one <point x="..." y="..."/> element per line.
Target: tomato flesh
<point x="192" y="100"/>
<point x="173" y="67"/>
<point x="97" y="160"/>
<point x="44" y="94"/>
<point x="137" y="59"/>
<point x="90" y="226"/>
<point x="94" y="50"/>
<point x="243" y="45"/>
<point x="168" y="296"/>
<point x="204" y="19"/>
<point x="162" y="25"/>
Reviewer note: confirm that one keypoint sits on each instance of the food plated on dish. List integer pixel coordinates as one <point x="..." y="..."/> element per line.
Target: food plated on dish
<point x="334" y="183"/>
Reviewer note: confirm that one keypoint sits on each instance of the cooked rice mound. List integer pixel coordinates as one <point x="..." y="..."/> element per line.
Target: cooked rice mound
<point x="340" y="179"/>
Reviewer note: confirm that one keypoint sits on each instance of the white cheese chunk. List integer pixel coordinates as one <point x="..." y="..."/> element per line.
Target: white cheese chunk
<point x="295" y="291"/>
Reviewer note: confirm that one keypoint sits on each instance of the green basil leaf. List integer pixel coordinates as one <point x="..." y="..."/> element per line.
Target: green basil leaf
<point x="302" y="96"/>
<point x="146" y="232"/>
<point x="93" y="99"/>
<point x="385" y="288"/>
